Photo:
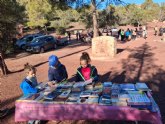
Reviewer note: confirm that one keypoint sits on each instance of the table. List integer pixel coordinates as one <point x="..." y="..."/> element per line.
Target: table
<point x="26" y="110"/>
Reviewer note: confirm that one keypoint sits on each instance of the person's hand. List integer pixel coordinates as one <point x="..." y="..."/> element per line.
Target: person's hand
<point x="52" y="84"/>
<point x="89" y="81"/>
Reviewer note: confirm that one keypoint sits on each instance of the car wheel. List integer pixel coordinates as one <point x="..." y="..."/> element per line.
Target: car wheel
<point x="23" y="47"/>
<point x="42" y="50"/>
<point x="55" y="46"/>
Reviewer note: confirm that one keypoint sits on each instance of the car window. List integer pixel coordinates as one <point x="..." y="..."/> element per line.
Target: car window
<point x="36" y="40"/>
<point x="29" y="39"/>
<point x="50" y="39"/>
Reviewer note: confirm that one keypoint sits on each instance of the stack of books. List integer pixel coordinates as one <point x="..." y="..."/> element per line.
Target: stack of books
<point x="107" y="87"/>
<point x="140" y="100"/>
<point x="115" y="88"/>
<point x="142" y="87"/>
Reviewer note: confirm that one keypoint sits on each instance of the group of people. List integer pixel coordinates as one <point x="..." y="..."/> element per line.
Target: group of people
<point x="57" y="73"/>
<point x="132" y="34"/>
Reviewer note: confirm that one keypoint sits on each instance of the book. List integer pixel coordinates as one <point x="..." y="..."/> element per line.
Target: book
<point x="107" y="84"/>
<point x="104" y="101"/>
<point x="120" y="103"/>
<point x="25" y="97"/>
<point x="142" y="86"/>
<point x="85" y="94"/>
<point x="94" y="96"/>
<point x="59" y="100"/>
<point x="78" y="87"/>
<point x="78" y="84"/>
<point x="124" y="97"/>
<point x="52" y="95"/>
<point x="92" y="100"/>
<point x="64" y="94"/>
<point x="71" y="101"/>
<point x="74" y="96"/>
<point x="115" y="88"/>
<point x="41" y="85"/>
<point x="65" y="86"/>
<point x="139" y="99"/>
<point x="127" y="87"/>
<point x="40" y="97"/>
<point x="105" y="97"/>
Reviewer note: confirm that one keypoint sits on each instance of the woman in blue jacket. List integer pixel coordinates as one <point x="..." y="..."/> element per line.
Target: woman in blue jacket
<point x="30" y="82"/>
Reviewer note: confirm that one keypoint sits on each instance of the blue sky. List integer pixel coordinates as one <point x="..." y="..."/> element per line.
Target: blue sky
<point x="142" y="1"/>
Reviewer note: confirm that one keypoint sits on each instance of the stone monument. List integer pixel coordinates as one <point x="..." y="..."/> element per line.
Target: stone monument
<point x="163" y="39"/>
<point x="103" y="47"/>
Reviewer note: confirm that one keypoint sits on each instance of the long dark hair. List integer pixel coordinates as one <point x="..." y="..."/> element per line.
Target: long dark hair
<point x="85" y="56"/>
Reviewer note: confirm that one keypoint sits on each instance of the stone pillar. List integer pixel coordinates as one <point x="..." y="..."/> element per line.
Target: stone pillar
<point x="103" y="47"/>
<point x="163" y="39"/>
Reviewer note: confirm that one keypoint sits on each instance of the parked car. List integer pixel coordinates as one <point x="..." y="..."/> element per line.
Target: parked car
<point x="21" y="43"/>
<point x="41" y="44"/>
<point x="161" y="31"/>
<point x="62" y="40"/>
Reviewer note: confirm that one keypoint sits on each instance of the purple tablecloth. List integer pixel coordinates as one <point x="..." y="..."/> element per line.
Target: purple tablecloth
<point x="43" y="111"/>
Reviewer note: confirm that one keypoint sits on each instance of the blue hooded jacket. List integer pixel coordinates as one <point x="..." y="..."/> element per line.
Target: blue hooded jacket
<point x="27" y="88"/>
<point x="57" y="74"/>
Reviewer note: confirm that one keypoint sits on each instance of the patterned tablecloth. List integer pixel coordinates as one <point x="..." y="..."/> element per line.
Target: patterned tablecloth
<point x="26" y="110"/>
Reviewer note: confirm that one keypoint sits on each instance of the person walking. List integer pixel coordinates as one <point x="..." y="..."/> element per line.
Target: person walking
<point x="156" y="30"/>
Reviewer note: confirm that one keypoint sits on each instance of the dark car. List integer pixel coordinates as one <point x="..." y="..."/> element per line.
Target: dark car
<point x="161" y="31"/>
<point x="41" y="44"/>
<point x="22" y="42"/>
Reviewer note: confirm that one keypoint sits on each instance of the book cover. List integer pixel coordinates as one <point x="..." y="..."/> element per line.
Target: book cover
<point x="127" y="86"/>
<point x="33" y="97"/>
<point x="71" y="101"/>
<point x="78" y="84"/>
<point x="107" y="84"/>
<point x="142" y="86"/>
<point x="74" y="96"/>
<point x="85" y="94"/>
<point x="64" y="94"/>
<point x="92" y="100"/>
<point x="104" y="101"/>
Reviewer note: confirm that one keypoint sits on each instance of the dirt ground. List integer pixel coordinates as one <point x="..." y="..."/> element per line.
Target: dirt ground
<point x="139" y="60"/>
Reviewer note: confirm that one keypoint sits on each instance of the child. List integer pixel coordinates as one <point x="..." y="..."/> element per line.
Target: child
<point x="30" y="82"/>
<point x="86" y="71"/>
<point x="57" y="72"/>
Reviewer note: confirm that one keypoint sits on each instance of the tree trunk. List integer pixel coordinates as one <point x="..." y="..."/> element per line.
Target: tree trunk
<point x="95" y="24"/>
<point x="3" y="67"/>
